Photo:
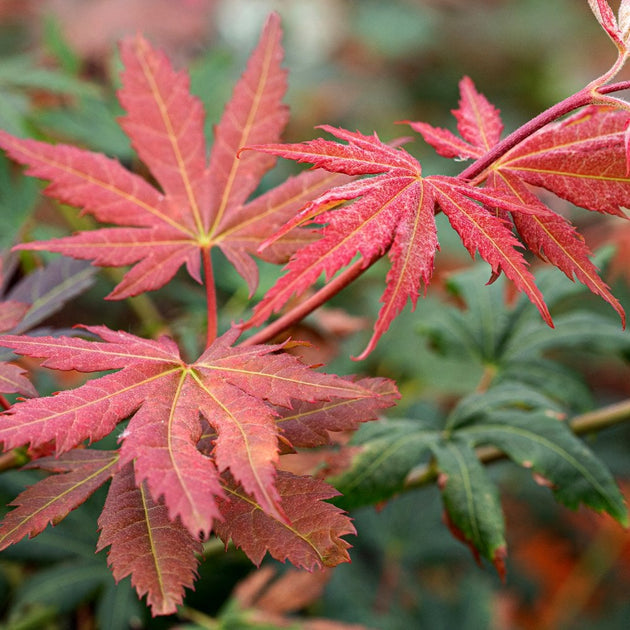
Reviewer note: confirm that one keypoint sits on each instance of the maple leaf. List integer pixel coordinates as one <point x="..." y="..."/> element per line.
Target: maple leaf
<point x="581" y="159"/>
<point x="392" y="211"/>
<point x="619" y="32"/>
<point x="235" y="389"/>
<point x="158" y="553"/>
<point x="311" y="538"/>
<point x="50" y="500"/>
<point x="199" y="204"/>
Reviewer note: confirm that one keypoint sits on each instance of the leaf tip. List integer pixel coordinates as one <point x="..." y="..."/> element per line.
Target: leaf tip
<point x="498" y="560"/>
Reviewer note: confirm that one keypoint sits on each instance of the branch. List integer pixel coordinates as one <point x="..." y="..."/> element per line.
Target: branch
<point x="582" y="98"/>
<point x="306" y="307"/>
<point x="580" y="425"/>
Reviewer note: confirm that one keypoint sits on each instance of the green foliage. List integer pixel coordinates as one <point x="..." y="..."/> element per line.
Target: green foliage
<point x="522" y="407"/>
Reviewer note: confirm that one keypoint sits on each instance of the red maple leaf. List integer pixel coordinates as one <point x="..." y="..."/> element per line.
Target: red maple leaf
<point x="581" y="159"/>
<point x="199" y="204"/>
<point x="392" y="211"/>
<point x="181" y="475"/>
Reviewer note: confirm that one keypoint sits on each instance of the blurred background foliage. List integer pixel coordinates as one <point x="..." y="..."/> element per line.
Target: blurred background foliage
<point x="362" y="64"/>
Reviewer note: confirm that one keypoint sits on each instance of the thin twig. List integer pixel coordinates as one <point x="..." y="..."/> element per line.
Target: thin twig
<point x="582" y="424"/>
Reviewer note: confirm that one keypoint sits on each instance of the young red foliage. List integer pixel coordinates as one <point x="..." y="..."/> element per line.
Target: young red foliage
<point x="12" y="377"/>
<point x="200" y="204"/>
<point x="392" y="212"/>
<point x="236" y="390"/>
<point x="232" y="387"/>
<point x="581" y="159"/>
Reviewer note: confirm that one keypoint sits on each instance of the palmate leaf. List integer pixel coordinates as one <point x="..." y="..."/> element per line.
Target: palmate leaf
<point x="234" y="388"/>
<point x="170" y="481"/>
<point x="199" y="204"/>
<point x="581" y="159"/>
<point x="158" y="553"/>
<point x="391" y="212"/>
<point x="523" y="412"/>
<point x="311" y="535"/>
<point x="545" y="445"/>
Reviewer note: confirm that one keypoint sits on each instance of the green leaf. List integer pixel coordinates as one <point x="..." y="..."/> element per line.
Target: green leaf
<point x="557" y="382"/>
<point x="505" y="395"/>
<point x="560" y="459"/>
<point x="118" y="606"/>
<point x="576" y="329"/>
<point x="91" y="122"/>
<point x="18" y="196"/>
<point x="21" y="71"/>
<point x="471" y="500"/>
<point x="479" y="329"/>
<point x="485" y="317"/>
<point x="389" y="450"/>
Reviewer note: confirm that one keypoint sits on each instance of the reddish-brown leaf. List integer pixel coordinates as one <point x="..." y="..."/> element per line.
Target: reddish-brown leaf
<point x="158" y="553"/>
<point x="13" y="380"/>
<point x="50" y="500"/>
<point x="311" y="538"/>
<point x="392" y="211"/>
<point x="582" y="159"/>
<point x="199" y="204"/>
<point x="308" y="425"/>
<point x="236" y="389"/>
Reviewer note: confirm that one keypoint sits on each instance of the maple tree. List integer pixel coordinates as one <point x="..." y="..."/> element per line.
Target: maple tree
<point x="201" y="441"/>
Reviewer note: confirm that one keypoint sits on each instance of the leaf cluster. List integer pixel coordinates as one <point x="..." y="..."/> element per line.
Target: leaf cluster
<point x="201" y="442"/>
<point x="522" y="408"/>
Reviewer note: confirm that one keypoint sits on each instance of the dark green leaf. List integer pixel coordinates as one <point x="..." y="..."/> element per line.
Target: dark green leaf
<point x="561" y="460"/>
<point x="552" y="379"/>
<point x="379" y="470"/>
<point x="63" y="586"/>
<point x="577" y="329"/>
<point x="471" y="500"/>
<point x="505" y="395"/>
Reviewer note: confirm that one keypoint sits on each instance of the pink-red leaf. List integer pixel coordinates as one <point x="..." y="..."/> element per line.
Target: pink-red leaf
<point x="606" y="18"/>
<point x="53" y="498"/>
<point x="478" y="123"/>
<point x="158" y="553"/>
<point x="255" y="114"/>
<point x="491" y="236"/>
<point x="392" y="212"/>
<point x="392" y="207"/>
<point x="236" y="389"/>
<point x="197" y="204"/>
<point x="554" y="239"/>
<point x="312" y="537"/>
<point x="581" y="159"/>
